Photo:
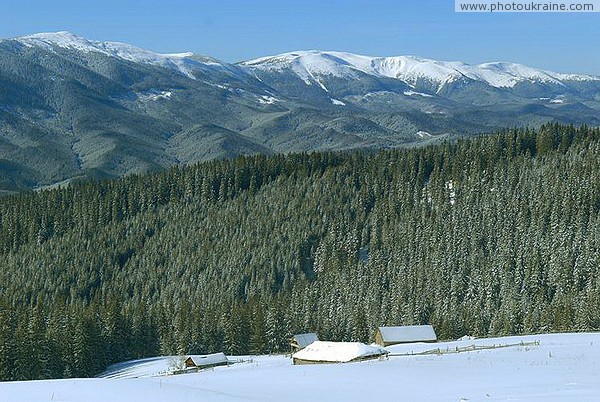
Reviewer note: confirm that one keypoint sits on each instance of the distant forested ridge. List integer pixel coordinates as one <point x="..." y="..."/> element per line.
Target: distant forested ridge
<point x="489" y="236"/>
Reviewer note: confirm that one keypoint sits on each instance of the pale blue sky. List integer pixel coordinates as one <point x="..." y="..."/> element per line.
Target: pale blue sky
<point x="239" y="30"/>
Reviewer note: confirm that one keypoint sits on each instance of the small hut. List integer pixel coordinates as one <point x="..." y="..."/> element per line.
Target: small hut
<point x="300" y="341"/>
<point x="206" y="361"/>
<point x="386" y="336"/>
<point x="321" y="352"/>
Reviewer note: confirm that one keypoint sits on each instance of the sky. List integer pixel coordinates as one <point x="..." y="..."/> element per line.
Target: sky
<point x="237" y="30"/>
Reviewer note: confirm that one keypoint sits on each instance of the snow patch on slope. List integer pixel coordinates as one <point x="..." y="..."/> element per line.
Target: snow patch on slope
<point x="413" y="93"/>
<point x="154" y="95"/>
<point x="268" y="100"/>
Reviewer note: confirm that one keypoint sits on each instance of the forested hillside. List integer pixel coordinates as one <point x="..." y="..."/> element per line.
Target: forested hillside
<point x="489" y="236"/>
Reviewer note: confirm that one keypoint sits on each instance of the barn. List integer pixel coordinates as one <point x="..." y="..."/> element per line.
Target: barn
<point x="321" y="352"/>
<point x="300" y="341"/>
<point x="206" y="361"/>
<point x="386" y="336"/>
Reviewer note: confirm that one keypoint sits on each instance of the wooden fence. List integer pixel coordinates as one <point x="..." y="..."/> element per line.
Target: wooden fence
<point x="461" y="349"/>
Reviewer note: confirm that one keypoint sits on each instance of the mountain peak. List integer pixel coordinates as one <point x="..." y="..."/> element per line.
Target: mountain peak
<point x="67" y="40"/>
<point x="63" y="39"/>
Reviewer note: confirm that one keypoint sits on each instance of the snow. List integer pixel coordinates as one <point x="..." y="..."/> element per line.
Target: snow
<point x="154" y="95"/>
<point x="268" y="100"/>
<point x="311" y="64"/>
<point x="144" y="368"/>
<point x="558" y="99"/>
<point x="452" y="191"/>
<point x="159" y="366"/>
<point x="326" y="351"/>
<point x="563" y="367"/>
<point x="181" y="62"/>
<point x="305" y="64"/>
<point x="321" y="84"/>
<point x="413" y="93"/>
<point x="337" y="102"/>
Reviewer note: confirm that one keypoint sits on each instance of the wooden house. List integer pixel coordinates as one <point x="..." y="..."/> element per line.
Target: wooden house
<point x="386" y="336"/>
<point x="206" y="361"/>
<point x="300" y="341"/>
<point x="322" y="352"/>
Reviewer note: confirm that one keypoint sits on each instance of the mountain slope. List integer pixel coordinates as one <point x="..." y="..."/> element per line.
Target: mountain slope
<point x="73" y="108"/>
<point x="424" y="79"/>
<point x="473" y="237"/>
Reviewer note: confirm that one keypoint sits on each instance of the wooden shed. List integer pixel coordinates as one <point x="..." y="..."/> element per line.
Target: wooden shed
<point x="300" y="341"/>
<point x="386" y="336"/>
<point x="206" y="361"/>
<point x="322" y="352"/>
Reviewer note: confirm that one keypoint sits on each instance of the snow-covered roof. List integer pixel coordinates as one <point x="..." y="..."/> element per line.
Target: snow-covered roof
<point x="410" y="333"/>
<point x="337" y="352"/>
<point x="208" y="360"/>
<point x="303" y="340"/>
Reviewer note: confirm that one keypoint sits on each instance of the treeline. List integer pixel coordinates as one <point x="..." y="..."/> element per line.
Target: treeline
<point x="489" y="236"/>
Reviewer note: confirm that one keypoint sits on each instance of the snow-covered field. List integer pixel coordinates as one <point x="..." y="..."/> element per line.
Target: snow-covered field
<point x="563" y="367"/>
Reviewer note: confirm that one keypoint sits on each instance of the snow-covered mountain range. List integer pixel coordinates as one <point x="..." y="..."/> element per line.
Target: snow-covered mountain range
<point x="311" y="64"/>
<point x="108" y="108"/>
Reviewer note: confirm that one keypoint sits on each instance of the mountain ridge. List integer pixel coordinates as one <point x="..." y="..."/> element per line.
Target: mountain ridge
<point x="71" y="107"/>
<point x="401" y="67"/>
<point x="381" y="65"/>
<point x="408" y="69"/>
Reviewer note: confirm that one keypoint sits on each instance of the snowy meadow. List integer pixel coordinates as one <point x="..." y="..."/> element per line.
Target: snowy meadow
<point x="554" y="367"/>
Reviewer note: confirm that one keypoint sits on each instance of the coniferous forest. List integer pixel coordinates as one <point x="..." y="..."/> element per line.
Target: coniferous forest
<point x="494" y="235"/>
